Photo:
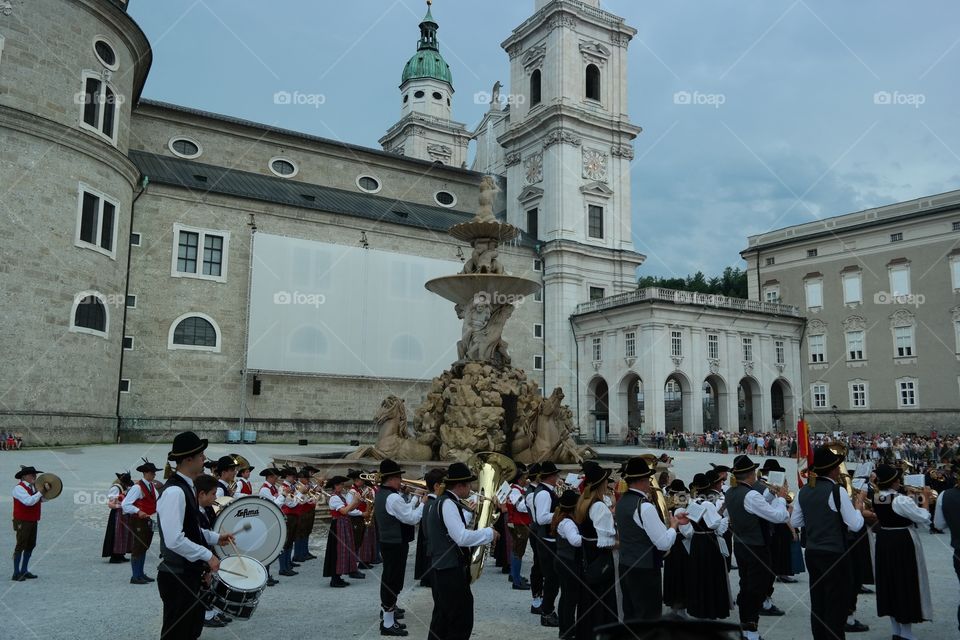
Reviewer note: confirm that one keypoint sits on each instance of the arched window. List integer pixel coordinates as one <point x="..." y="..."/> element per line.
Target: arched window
<point x="90" y="314"/>
<point x="194" y="331"/>
<point x="535" y="88"/>
<point x="593" y="82"/>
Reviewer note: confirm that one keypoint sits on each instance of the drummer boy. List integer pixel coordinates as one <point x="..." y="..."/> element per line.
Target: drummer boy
<point x="206" y="487"/>
<point x="26" y="515"/>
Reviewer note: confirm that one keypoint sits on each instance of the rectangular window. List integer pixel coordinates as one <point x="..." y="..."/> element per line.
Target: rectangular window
<point x="596" y="293"/>
<point x="595" y="219"/>
<point x="821" y="399"/>
<point x="811" y="253"/>
<point x="128" y="343"/>
<point x="676" y="344"/>
<point x="748" y="349"/>
<point x="538" y="295"/>
<point x="538" y="331"/>
<point x="537" y="265"/>
<point x="134" y="239"/>
<point x="201" y="253"/>
<point x="713" y="346"/>
<point x="855" y="345"/>
<point x="771" y="261"/>
<point x="771" y="294"/>
<point x="96" y="222"/>
<point x="131" y="301"/>
<point x="896" y="237"/>
<point x="900" y="280"/>
<point x="818" y="348"/>
<point x="597" y="350"/>
<point x="125" y="386"/>
<point x="538" y="363"/>
<point x="814" y="292"/>
<point x="903" y="341"/>
<point x="533" y="218"/>
<point x="630" y="339"/>
<point x="852" y="288"/>
<point x="956" y="226"/>
<point x="858" y="395"/>
<point x="955" y="272"/>
<point x="780" y="351"/>
<point x="100" y="103"/>
<point x="907" y="393"/>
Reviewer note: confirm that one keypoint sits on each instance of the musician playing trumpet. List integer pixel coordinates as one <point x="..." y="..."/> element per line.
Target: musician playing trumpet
<point x="26" y="516"/>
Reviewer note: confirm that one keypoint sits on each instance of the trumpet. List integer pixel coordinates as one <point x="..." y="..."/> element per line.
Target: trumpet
<point x="371" y="477"/>
<point x="416" y="488"/>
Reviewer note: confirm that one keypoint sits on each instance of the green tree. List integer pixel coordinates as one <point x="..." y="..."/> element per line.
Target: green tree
<point x="731" y="283"/>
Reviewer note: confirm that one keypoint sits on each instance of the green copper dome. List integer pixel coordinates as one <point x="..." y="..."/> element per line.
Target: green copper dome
<point x="427" y="61"/>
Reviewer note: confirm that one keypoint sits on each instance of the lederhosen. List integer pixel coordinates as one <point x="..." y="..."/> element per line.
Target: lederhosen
<point x="751" y="538"/>
<point x="142" y="528"/>
<point x="178" y="579"/>
<point x="453" y="601"/>
<point x="519" y="525"/>
<point x="395" y="538"/>
<point x="25" y="522"/>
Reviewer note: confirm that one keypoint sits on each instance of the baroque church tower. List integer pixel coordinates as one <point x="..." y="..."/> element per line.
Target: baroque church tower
<point x="426" y="129"/>
<point x="567" y="149"/>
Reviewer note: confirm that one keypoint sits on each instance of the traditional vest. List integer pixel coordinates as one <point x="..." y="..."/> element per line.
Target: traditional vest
<point x="513" y="515"/>
<point x="245" y="487"/>
<point x="171" y="561"/>
<point x="823" y="528"/>
<point x="389" y="528"/>
<point x="747" y="528"/>
<point x="148" y="498"/>
<point x="443" y="551"/>
<point x="886" y="516"/>
<point x="272" y="489"/>
<point x="566" y="551"/>
<point x="287" y="511"/>
<point x="362" y="506"/>
<point x="226" y="488"/>
<point x="543" y="530"/>
<point x="950" y="503"/>
<point x="636" y="548"/>
<point x="22" y="511"/>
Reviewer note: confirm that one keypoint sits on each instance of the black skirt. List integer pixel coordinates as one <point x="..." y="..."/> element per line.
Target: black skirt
<point x="898" y="583"/>
<point x="675" y="575"/>
<point x="108" y="537"/>
<point x="862" y="559"/>
<point x="780" y="554"/>
<point x="708" y="588"/>
<point x="420" y="565"/>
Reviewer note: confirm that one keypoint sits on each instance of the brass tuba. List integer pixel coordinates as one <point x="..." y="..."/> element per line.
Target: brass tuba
<point x="656" y="491"/>
<point x="841" y="450"/>
<point x="491" y="469"/>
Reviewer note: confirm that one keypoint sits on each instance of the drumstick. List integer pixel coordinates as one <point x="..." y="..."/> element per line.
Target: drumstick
<point x="222" y="570"/>
<point x="243" y="563"/>
<point x="246" y="527"/>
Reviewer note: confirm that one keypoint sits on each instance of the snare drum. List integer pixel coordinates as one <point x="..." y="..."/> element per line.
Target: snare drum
<point x="236" y="588"/>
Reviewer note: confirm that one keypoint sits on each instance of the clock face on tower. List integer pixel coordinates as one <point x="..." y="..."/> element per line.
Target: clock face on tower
<point x="594" y="165"/>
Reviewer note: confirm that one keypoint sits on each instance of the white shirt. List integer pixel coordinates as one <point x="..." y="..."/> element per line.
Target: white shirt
<point x="134" y="493"/>
<point x="336" y="502"/>
<point x="775" y="511"/>
<point x="113" y="491"/>
<point x="938" y="520"/>
<point x="460" y="535"/>
<point x="602" y="520"/>
<point x="24" y="496"/>
<point x="905" y="507"/>
<point x="851" y="517"/>
<point x="543" y="514"/>
<point x="221" y="488"/>
<point x="516" y="498"/>
<point x="567" y="529"/>
<point x="359" y="498"/>
<point x="170" y="509"/>
<point x="275" y="499"/>
<point x="528" y="501"/>
<point x="405" y="512"/>
<point x="649" y="520"/>
<point x="290" y="500"/>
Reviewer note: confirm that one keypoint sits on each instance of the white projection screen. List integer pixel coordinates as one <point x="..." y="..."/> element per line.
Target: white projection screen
<point x="318" y="308"/>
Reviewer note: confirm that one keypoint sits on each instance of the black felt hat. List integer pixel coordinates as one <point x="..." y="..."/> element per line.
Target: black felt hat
<point x="225" y="463"/>
<point x="677" y="486"/>
<point x="711" y="478"/>
<point x="568" y="501"/>
<point x="186" y="444"/>
<point x="720" y="468"/>
<point x="335" y="480"/>
<point x="595" y="475"/>
<point x="700" y="482"/>
<point x="25" y="471"/>
<point x="548" y="469"/>
<point x="389" y="468"/>
<point x="288" y="471"/>
<point x="825" y="460"/>
<point x="887" y="475"/>
<point x="147" y="467"/>
<point x="459" y="472"/>
<point x="270" y="471"/>
<point x="125" y="478"/>
<point x="353" y="474"/>
<point x="771" y="464"/>
<point x="533" y="471"/>
<point x="635" y="469"/>
<point x="587" y="464"/>
<point x="743" y="464"/>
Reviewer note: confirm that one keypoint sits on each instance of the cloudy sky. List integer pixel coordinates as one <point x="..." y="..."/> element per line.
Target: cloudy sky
<point x="757" y="114"/>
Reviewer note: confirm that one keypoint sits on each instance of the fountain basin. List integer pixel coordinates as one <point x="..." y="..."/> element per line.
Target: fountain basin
<point x="495" y="288"/>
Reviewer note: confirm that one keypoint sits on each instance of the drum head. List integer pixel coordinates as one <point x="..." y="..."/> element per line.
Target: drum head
<point x="242" y="573"/>
<point x="258" y="525"/>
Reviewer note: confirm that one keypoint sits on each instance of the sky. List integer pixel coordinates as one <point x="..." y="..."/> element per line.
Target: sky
<point x="757" y="114"/>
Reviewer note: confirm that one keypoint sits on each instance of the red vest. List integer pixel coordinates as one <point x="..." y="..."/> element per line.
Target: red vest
<point x="148" y="498"/>
<point x="513" y="515"/>
<point x="22" y="511"/>
<point x="272" y="489"/>
<point x="245" y="487"/>
<point x="284" y="508"/>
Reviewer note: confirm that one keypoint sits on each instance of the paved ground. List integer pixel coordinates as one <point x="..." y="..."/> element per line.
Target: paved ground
<point x="78" y="595"/>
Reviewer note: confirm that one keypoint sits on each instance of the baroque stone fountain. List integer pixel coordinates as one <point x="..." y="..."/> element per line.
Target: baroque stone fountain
<point x="482" y="402"/>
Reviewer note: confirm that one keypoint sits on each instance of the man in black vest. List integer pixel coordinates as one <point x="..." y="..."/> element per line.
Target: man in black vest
<point x="947" y="516"/>
<point x="396" y="519"/>
<point x="750" y="511"/>
<point x="545" y="545"/>
<point x="643" y="540"/>
<point x="434" y="483"/>
<point x="182" y="543"/>
<point x="826" y="513"/>
<point x="449" y="541"/>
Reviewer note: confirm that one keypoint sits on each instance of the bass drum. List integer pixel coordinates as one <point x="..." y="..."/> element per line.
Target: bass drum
<point x="258" y="525"/>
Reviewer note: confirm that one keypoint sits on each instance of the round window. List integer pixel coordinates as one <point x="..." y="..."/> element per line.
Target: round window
<point x="283" y="167"/>
<point x="445" y="198"/>
<point x="437" y="95"/>
<point x="185" y="148"/>
<point x="106" y="54"/>
<point x="368" y="184"/>
<point x="418" y="94"/>
<point x="406" y="98"/>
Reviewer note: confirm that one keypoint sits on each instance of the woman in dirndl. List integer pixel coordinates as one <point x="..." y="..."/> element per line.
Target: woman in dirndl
<point x="708" y="584"/>
<point x="675" y="563"/>
<point x="903" y="587"/>
<point x="340" y="557"/>
<point x="118" y="538"/>
<point x="598" y="594"/>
